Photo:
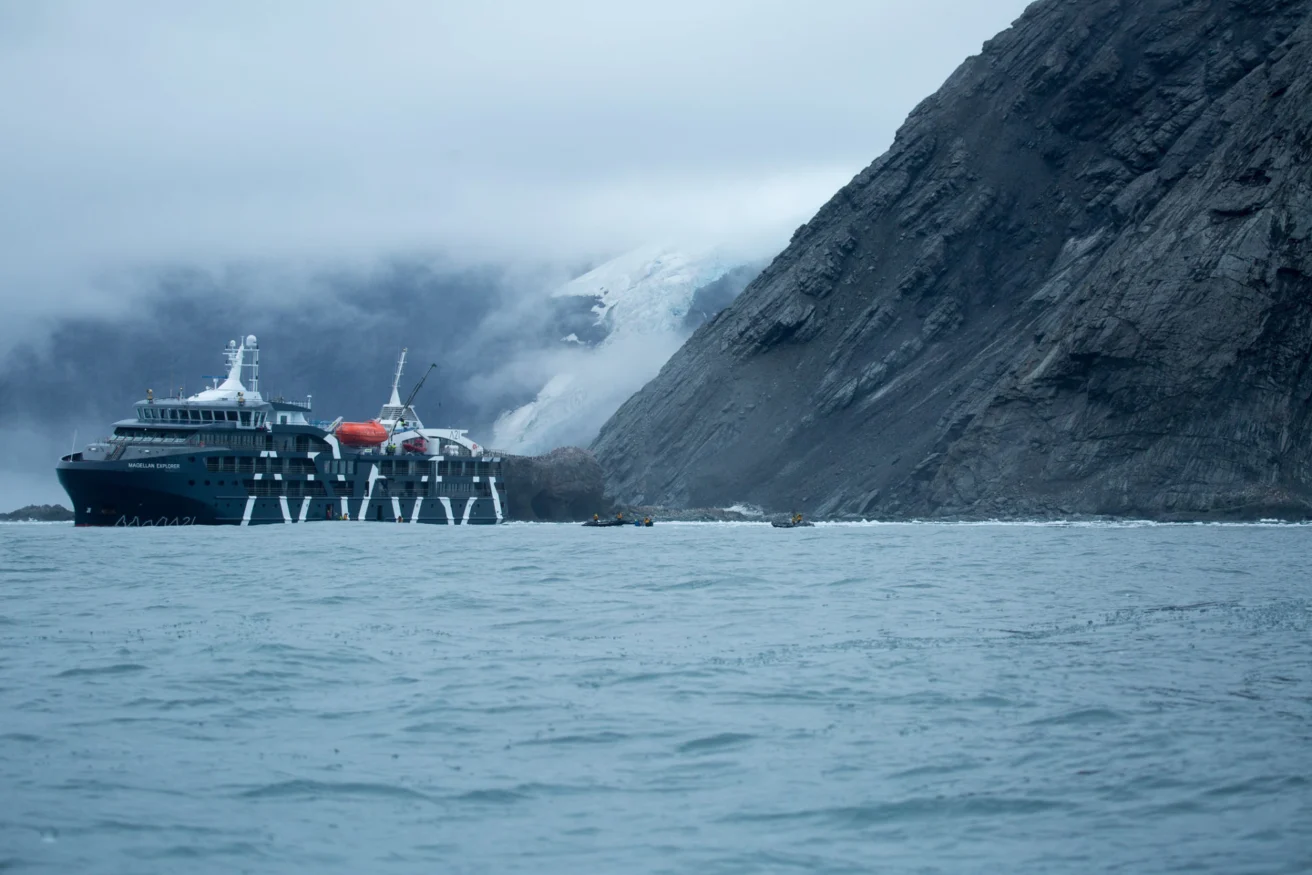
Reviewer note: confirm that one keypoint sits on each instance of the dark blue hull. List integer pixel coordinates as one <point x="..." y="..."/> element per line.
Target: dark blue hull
<point x="197" y="488"/>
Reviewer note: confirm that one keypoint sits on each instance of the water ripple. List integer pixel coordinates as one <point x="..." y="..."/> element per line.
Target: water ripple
<point x="722" y="699"/>
<point x="313" y="790"/>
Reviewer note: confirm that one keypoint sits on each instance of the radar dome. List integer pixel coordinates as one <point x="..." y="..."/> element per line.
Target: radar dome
<point x="250" y="340"/>
<point x="232" y="344"/>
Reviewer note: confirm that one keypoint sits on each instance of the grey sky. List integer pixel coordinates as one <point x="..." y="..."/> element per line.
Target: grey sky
<point x="139" y="134"/>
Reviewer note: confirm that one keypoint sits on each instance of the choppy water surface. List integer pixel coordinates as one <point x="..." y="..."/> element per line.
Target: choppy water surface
<point x="677" y="699"/>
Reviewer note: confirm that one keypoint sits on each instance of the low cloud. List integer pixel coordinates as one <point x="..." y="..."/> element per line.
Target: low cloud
<point x="148" y="135"/>
<point x="585" y="387"/>
<point x="212" y="167"/>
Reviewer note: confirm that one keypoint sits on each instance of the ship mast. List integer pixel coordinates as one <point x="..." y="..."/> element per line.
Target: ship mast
<point x="396" y="380"/>
<point x="253" y="349"/>
<point x="234" y="355"/>
<point x="410" y="400"/>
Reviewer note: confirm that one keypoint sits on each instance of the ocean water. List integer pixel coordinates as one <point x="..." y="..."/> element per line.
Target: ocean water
<point x="685" y="698"/>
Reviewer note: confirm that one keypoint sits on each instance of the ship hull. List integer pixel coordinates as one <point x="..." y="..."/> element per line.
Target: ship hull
<point x="114" y="495"/>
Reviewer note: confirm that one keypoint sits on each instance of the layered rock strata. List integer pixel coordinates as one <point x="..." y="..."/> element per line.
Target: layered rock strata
<point x="1080" y="282"/>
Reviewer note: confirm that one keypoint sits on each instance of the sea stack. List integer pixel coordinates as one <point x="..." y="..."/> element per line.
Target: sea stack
<point x="1079" y="283"/>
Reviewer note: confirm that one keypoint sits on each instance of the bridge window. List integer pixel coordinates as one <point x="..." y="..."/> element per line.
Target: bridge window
<point x="245" y="417"/>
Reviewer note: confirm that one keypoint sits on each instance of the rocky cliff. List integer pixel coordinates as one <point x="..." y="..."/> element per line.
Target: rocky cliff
<point x="1079" y="282"/>
<point x="561" y="486"/>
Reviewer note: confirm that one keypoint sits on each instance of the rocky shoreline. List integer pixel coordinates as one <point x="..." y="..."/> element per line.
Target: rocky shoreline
<point x="721" y="515"/>
<point x="564" y="485"/>
<point x="39" y="513"/>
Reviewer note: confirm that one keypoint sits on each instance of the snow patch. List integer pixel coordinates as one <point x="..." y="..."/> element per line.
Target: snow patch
<point x="648" y="290"/>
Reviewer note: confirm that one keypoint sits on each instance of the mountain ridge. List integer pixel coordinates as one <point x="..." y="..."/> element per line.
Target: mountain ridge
<point x="1077" y="284"/>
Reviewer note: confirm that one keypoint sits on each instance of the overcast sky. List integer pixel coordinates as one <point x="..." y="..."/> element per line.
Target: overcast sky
<point x="141" y="134"/>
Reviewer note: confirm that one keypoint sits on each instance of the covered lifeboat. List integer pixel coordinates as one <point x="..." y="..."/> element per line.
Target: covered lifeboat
<point x="361" y="434"/>
<point x="416" y="444"/>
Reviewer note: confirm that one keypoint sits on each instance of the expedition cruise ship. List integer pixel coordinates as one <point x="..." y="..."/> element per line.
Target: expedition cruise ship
<point x="228" y="456"/>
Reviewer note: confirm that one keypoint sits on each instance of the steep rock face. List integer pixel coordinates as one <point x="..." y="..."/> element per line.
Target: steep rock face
<point x="1079" y="282"/>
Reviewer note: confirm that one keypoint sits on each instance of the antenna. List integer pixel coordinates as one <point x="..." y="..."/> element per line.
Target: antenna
<point x="253" y="346"/>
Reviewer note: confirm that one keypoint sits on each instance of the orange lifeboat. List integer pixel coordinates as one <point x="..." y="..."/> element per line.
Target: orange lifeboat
<point x="361" y="434"/>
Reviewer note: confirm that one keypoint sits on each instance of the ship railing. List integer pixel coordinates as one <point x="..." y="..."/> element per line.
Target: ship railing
<point x="304" y="405"/>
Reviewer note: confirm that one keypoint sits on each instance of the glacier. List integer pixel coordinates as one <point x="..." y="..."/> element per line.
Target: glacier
<point x="642" y="302"/>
